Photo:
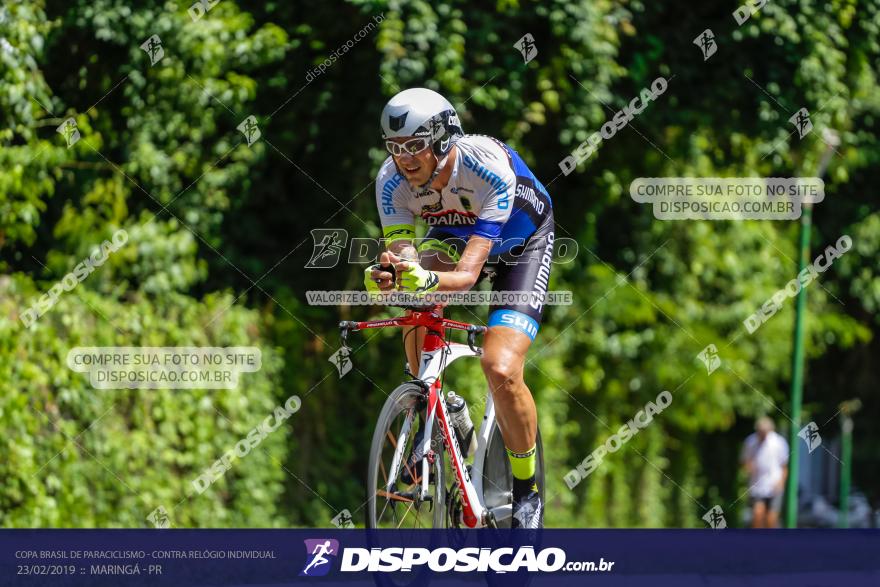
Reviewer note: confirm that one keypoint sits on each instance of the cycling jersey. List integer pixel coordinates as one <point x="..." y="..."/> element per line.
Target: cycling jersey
<point x="490" y="193"/>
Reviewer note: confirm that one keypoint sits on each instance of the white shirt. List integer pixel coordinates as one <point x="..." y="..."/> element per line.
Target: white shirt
<point x="768" y="459"/>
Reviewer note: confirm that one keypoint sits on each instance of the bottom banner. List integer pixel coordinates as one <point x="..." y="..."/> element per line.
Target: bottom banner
<point x="387" y="557"/>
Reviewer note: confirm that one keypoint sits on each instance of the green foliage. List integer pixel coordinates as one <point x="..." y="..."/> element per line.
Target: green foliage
<point x="83" y="457"/>
<point x="219" y="235"/>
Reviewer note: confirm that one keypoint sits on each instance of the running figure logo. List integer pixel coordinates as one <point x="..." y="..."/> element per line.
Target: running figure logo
<point x="69" y="131"/>
<point x="319" y="552"/>
<point x="153" y="48"/>
<point x="250" y="130"/>
<point x="715" y="518"/>
<point x="527" y="47"/>
<point x="706" y="42"/>
<point x="328" y="245"/>
<point x="810" y="434"/>
<point x="709" y="357"/>
<point x="342" y="360"/>
<point x="801" y="121"/>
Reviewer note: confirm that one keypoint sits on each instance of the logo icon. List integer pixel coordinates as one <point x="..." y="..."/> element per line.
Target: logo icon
<point x="319" y="551"/>
<point x="397" y="122"/>
<point x="715" y="518"/>
<point x="435" y="207"/>
<point x="706" y="42"/>
<point x="250" y="130"/>
<point x="69" y="131"/>
<point x="159" y="518"/>
<point x="327" y="247"/>
<point x="436" y="126"/>
<point x="527" y="47"/>
<point x="342" y="360"/>
<point x="810" y="434"/>
<point x="343" y="520"/>
<point x="153" y="48"/>
<point x="801" y="121"/>
<point x="710" y="358"/>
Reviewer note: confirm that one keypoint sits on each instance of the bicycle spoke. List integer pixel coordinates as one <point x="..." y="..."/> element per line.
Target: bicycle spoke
<point x="393" y="496"/>
<point x="412" y="475"/>
<point x="382" y="513"/>
<point x="408" y="510"/>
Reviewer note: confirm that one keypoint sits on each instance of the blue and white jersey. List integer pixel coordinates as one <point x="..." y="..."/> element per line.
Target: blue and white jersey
<point x="491" y="193"/>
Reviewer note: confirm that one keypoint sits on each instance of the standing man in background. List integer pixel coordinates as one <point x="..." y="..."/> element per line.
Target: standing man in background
<point x="765" y="459"/>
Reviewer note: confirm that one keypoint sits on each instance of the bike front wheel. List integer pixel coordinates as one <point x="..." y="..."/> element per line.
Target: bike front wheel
<point x="394" y="496"/>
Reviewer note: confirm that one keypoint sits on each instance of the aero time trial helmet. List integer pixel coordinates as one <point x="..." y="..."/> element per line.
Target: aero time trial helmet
<point x="423" y="113"/>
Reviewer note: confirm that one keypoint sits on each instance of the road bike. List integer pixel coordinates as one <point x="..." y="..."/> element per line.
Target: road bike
<point x="425" y="492"/>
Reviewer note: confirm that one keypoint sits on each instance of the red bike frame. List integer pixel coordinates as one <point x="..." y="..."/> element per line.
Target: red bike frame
<point x="473" y="513"/>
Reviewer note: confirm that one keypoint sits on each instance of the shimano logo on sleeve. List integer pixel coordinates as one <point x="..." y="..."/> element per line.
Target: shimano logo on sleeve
<point x="493" y="179"/>
<point x="388" y="192"/>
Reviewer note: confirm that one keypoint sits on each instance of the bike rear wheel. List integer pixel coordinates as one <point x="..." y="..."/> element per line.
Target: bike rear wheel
<point x="393" y="499"/>
<point x="498" y="477"/>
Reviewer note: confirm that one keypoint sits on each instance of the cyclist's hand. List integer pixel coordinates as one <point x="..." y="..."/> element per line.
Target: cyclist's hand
<point x="380" y="277"/>
<point x="415" y="278"/>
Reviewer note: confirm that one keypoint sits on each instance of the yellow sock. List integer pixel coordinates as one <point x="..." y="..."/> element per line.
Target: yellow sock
<point x="522" y="464"/>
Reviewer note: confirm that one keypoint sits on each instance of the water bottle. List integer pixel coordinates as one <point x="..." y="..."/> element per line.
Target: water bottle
<point x="461" y="423"/>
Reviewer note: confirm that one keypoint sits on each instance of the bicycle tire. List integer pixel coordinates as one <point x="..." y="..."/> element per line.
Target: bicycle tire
<point x="498" y="477"/>
<point x="404" y="397"/>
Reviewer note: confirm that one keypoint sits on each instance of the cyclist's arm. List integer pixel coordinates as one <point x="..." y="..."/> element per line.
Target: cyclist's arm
<point x="398" y="221"/>
<point x="403" y="248"/>
<point x="467" y="271"/>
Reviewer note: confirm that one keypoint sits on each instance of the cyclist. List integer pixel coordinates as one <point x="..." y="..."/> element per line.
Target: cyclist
<point x="488" y="216"/>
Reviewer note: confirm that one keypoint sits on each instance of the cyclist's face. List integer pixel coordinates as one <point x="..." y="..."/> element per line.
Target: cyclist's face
<point x="416" y="167"/>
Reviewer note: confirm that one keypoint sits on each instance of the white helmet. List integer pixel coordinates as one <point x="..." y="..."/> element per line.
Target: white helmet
<point x="420" y="112"/>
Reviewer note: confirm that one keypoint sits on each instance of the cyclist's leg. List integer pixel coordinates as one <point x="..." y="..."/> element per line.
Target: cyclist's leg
<point x="438" y="251"/>
<point x="512" y="328"/>
<point x="504" y="354"/>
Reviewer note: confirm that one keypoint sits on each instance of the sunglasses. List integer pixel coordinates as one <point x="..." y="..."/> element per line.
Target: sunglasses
<point x="410" y="147"/>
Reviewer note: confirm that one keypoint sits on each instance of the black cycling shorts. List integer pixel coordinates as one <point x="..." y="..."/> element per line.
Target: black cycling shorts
<point x="525" y="269"/>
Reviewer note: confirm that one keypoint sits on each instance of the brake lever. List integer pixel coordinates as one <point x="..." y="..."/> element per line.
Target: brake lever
<point x="344" y="327"/>
<point x="473" y="331"/>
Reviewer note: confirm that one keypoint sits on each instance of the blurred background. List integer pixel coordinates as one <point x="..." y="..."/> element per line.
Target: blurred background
<point x="219" y="237"/>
